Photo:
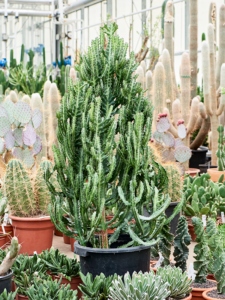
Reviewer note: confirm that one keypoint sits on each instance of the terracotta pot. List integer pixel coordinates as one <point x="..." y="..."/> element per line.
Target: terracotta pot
<point x="205" y="296"/>
<point x="211" y="277"/>
<point x="57" y="232"/>
<point x="197" y="293"/>
<point x="2" y="241"/>
<point x="110" y="231"/>
<point x="215" y="174"/>
<point x="72" y="241"/>
<point x="34" y="234"/>
<point x="192" y="172"/>
<point x="21" y="297"/>
<point x="66" y="239"/>
<point x="8" y="228"/>
<point x="49" y="273"/>
<point x="188" y="298"/>
<point x="192" y="232"/>
<point x="74" y="283"/>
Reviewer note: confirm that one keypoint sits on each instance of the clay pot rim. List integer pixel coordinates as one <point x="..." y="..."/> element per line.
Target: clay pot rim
<point x="72" y="277"/>
<point x="205" y="289"/>
<point x="188" y="298"/>
<point x="204" y="294"/>
<point x="27" y="219"/>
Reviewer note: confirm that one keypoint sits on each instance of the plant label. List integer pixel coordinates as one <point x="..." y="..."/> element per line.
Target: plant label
<point x="204" y="220"/>
<point x="191" y="272"/>
<point x="6" y="217"/>
<point x="159" y="262"/>
<point x="3" y="229"/>
<point x="222" y="217"/>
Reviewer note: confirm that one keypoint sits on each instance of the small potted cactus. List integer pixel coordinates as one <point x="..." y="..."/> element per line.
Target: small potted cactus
<point x="28" y="198"/>
<point x="220" y="153"/>
<point x="5" y="268"/>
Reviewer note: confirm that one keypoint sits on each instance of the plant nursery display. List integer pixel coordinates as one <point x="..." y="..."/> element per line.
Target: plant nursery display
<point x="103" y="173"/>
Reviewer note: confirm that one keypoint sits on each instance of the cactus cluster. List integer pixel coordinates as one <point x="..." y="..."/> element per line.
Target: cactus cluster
<point x="18" y="125"/>
<point x="26" y="195"/>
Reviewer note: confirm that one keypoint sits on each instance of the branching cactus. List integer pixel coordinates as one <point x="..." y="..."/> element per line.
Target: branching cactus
<point x="201" y="251"/>
<point x="220" y="153"/>
<point x="146" y="286"/>
<point x="10" y="256"/>
<point x="181" y="243"/>
<point x="209" y="88"/>
<point x="18" y="124"/>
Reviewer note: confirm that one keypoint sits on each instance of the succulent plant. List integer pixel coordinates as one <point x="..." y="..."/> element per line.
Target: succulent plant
<point x="201" y="250"/>
<point x="8" y="296"/>
<point x="49" y="289"/>
<point x="10" y="257"/>
<point x="165" y="244"/>
<point x="181" y="243"/>
<point x="221" y="149"/>
<point x="179" y="284"/>
<point x="97" y="289"/>
<point x="17" y="130"/>
<point x="141" y="286"/>
<point x="174" y="187"/>
<point x="26" y="195"/>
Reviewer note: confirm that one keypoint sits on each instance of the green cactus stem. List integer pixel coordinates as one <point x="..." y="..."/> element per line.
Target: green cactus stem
<point x="165" y="244"/>
<point x="220" y="153"/>
<point x="10" y="256"/>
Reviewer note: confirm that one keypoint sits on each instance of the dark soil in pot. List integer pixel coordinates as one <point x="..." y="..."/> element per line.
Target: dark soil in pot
<point x="208" y="285"/>
<point x="114" y="260"/>
<point x="6" y="282"/>
<point x="214" y="294"/>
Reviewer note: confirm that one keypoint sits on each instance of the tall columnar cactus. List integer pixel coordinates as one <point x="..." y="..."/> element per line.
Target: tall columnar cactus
<point x="54" y="102"/>
<point x="201" y="251"/>
<point x="209" y="88"/>
<point x="193" y="46"/>
<point x="18" y="189"/>
<point x="149" y="85"/>
<point x="181" y="243"/>
<point x="67" y="76"/>
<point x="174" y="185"/>
<point x="36" y="102"/>
<point x="165" y="244"/>
<point x="168" y="80"/>
<point x="47" y="111"/>
<point x="221" y="50"/>
<point x="73" y="75"/>
<point x="213" y="20"/>
<point x="220" y="153"/>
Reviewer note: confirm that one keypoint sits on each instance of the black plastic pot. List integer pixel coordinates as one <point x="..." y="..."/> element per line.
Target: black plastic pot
<point x="198" y="157"/>
<point x="6" y="281"/>
<point x="113" y="260"/>
<point x="203" y="168"/>
<point x="169" y="212"/>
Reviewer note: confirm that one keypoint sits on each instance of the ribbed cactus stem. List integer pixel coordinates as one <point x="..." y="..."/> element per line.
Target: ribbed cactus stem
<point x="213" y="97"/>
<point x="36" y="102"/>
<point x="220" y="152"/>
<point x="149" y="85"/>
<point x="168" y="29"/>
<point x="140" y="73"/>
<point x="47" y="111"/>
<point x="193" y="46"/>
<point x="19" y="189"/>
<point x="73" y="75"/>
<point x="193" y="115"/>
<point x="67" y="77"/>
<point x="26" y="99"/>
<point x="54" y="99"/>
<point x="168" y="79"/>
<point x="206" y="75"/>
<point x="143" y="64"/>
<point x="222" y="98"/>
<point x="176" y="110"/>
<point x="10" y="256"/>
<point x="158" y="92"/>
<point x="221" y="52"/>
<point x="202" y="134"/>
<point x="212" y="20"/>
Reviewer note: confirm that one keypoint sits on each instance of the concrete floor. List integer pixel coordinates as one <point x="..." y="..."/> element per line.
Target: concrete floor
<point x="66" y="249"/>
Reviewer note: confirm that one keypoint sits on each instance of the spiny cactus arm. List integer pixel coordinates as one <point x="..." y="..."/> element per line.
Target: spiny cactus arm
<point x="181" y="243"/>
<point x="193" y="115"/>
<point x="165" y="244"/>
<point x="185" y="78"/>
<point x="193" y="45"/>
<point x="176" y="110"/>
<point x="10" y="256"/>
<point x="221" y="55"/>
<point x="67" y="76"/>
<point x="201" y="136"/>
<point x="220" y="151"/>
<point x="168" y="79"/>
<point x="172" y="129"/>
<point x="202" y="111"/>
<point x="140" y="78"/>
<point x="149" y="79"/>
<point x="213" y="20"/>
<point x="168" y="29"/>
<point x="176" y="210"/>
<point x="222" y="98"/>
<point x="206" y="76"/>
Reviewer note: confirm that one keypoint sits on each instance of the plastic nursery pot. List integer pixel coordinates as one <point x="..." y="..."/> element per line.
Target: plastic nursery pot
<point x="197" y="293"/>
<point x="113" y="260"/>
<point x="74" y="283"/>
<point x="205" y="296"/>
<point x="215" y="174"/>
<point x="3" y="241"/>
<point x="198" y="157"/>
<point x="34" y="234"/>
<point x="66" y="239"/>
<point x="192" y="172"/>
<point x="6" y="282"/>
<point x="8" y="229"/>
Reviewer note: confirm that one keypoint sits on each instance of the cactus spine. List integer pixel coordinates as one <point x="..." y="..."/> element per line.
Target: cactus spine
<point x="36" y="102"/>
<point x="181" y="243"/>
<point x="193" y="46"/>
<point x="19" y="189"/>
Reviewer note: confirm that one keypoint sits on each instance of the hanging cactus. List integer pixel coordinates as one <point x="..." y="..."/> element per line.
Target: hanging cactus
<point x="19" y="189"/>
<point x="181" y="243"/>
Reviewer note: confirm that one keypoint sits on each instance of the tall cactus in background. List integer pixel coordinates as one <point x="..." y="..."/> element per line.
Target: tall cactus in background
<point x="36" y="102"/>
<point x="193" y="46"/>
<point x="174" y="185"/>
<point x="54" y="103"/>
<point x="209" y="88"/>
<point x="221" y="51"/>
<point x="1" y="94"/>
<point x="18" y="189"/>
<point x="212" y="20"/>
<point x="67" y="77"/>
<point x="22" y="53"/>
<point x="47" y="111"/>
<point x="168" y="80"/>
